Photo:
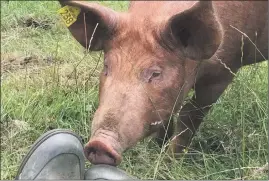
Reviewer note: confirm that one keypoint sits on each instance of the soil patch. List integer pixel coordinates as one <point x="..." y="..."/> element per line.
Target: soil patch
<point x="13" y="62"/>
<point x="37" y="23"/>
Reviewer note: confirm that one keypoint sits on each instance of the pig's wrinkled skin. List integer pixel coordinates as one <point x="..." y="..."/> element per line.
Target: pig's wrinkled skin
<point x="154" y="54"/>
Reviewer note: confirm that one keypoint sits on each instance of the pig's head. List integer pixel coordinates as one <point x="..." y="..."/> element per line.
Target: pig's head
<point x="149" y="55"/>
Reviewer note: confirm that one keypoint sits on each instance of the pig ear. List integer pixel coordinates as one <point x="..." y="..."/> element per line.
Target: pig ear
<point x="90" y="15"/>
<point x="196" y="32"/>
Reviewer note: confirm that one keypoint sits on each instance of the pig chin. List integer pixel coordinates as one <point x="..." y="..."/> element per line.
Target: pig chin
<point x="104" y="148"/>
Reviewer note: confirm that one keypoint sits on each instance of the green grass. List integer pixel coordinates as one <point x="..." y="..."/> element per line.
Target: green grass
<point x="45" y="85"/>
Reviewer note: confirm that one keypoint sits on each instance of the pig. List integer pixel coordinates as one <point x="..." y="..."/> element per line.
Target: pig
<point x="154" y="55"/>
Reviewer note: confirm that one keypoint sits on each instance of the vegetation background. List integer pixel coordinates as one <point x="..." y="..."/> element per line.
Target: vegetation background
<point x="46" y="84"/>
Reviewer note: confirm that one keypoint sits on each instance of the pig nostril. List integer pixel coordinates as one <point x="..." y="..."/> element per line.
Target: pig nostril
<point x="95" y="152"/>
<point x="98" y="154"/>
<point x="91" y="151"/>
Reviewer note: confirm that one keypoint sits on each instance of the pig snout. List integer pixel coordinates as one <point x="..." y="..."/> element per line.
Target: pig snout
<point x="101" y="150"/>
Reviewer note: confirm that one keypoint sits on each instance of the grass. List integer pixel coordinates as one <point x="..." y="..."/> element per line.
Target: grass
<point x="45" y="85"/>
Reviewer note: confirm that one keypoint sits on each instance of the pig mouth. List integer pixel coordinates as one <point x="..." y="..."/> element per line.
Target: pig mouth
<point x="156" y="123"/>
<point x="100" y="151"/>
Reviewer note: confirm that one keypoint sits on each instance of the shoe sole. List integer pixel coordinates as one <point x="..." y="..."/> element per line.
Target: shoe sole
<point x="39" y="141"/>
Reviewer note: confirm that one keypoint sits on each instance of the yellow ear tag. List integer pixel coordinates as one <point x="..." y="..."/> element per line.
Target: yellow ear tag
<point x="69" y="14"/>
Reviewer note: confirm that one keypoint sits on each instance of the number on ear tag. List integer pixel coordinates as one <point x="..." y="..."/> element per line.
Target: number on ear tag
<point x="69" y="14"/>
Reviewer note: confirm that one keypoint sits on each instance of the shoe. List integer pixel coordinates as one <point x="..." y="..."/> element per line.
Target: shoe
<point x="106" y="172"/>
<point x="58" y="154"/>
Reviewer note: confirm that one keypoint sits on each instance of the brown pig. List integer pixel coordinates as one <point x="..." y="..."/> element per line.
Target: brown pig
<point x="154" y="54"/>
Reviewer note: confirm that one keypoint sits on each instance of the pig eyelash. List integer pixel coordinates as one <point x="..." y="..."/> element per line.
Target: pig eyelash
<point x="155" y="123"/>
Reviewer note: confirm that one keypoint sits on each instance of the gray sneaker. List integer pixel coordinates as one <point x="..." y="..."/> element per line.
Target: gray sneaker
<point x="58" y="154"/>
<point x="106" y="172"/>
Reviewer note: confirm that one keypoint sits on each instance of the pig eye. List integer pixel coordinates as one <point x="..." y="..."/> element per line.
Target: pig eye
<point x="154" y="74"/>
<point x="105" y="70"/>
<point x="150" y="74"/>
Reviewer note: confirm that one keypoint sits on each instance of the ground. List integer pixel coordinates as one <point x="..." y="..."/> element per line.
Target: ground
<point x="47" y="83"/>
